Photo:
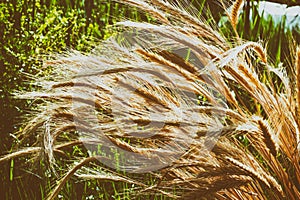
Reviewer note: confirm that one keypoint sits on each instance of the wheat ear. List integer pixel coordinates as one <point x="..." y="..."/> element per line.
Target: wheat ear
<point x="269" y="137"/>
<point x="235" y="12"/>
<point x="298" y="77"/>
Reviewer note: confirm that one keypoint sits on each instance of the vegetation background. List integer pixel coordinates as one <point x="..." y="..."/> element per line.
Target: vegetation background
<point x="29" y="30"/>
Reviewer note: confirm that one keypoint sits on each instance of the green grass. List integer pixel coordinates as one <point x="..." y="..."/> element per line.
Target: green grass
<point x="30" y="31"/>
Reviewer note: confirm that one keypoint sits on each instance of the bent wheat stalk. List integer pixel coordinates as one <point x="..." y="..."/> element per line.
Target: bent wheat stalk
<point x="138" y="96"/>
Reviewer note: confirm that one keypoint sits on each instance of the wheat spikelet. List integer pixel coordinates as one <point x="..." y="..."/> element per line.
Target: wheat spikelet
<point x="258" y="49"/>
<point x="228" y="112"/>
<point x="248" y="169"/>
<point x="296" y="122"/>
<point x="261" y="92"/>
<point x="251" y="77"/>
<point x="297" y="67"/>
<point x="186" y="18"/>
<point x="269" y="137"/>
<point x="238" y="77"/>
<point x="147" y="9"/>
<point x="234" y="12"/>
<point x="189" y="76"/>
<point x="218" y="184"/>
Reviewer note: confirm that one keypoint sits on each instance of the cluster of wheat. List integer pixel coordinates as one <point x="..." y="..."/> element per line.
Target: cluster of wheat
<point x="209" y="116"/>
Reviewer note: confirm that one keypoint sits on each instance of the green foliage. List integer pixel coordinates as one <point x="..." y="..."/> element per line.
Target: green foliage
<point x="29" y="31"/>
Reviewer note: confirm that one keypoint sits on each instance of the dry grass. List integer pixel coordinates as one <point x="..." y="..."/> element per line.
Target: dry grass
<point x="138" y="94"/>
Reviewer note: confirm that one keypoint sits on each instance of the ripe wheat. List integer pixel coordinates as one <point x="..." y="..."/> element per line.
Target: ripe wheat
<point x="180" y="118"/>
